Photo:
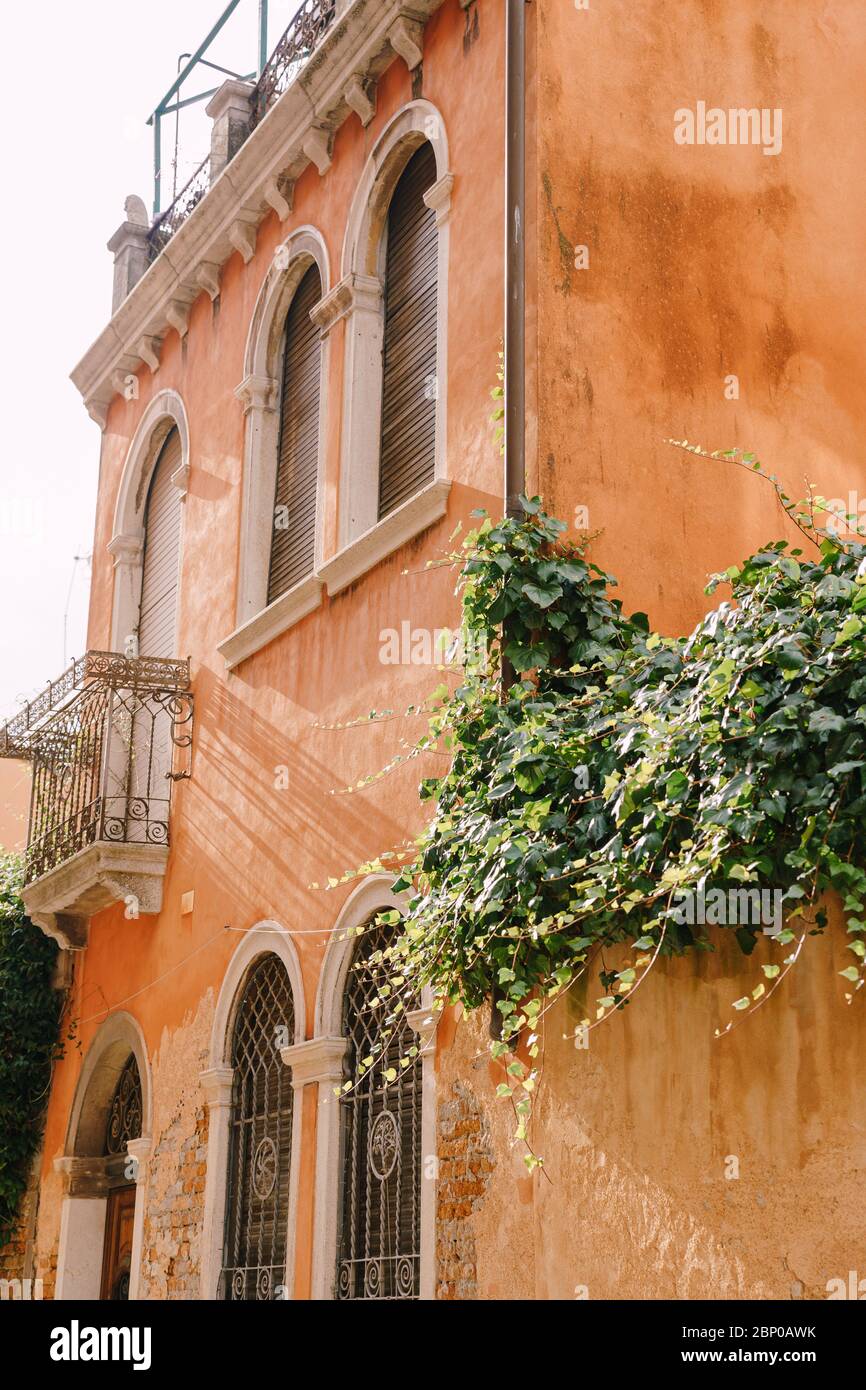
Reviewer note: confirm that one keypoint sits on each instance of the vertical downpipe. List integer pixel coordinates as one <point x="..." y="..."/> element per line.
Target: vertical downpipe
<point x="515" y="302"/>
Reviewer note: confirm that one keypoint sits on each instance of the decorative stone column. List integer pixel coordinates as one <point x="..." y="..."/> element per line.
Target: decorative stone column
<point x="139" y="1150"/>
<point x="359" y="300"/>
<point x="259" y="396"/>
<point x="319" y="1062"/>
<point x="229" y="109"/>
<point x="128" y="552"/>
<point x="217" y="1086"/>
<point x="130" y="249"/>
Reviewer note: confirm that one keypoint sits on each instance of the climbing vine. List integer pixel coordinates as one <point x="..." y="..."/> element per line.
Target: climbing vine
<point x="626" y="777"/>
<point x="29" y="1019"/>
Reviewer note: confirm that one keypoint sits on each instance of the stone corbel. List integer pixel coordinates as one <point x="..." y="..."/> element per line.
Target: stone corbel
<point x="177" y="314"/>
<point x="148" y="349"/>
<point x="317" y="146"/>
<point x="180" y="478"/>
<point x="67" y="929"/>
<point x="438" y="198"/>
<point x="424" y="1023"/>
<point x="360" y="95"/>
<point x="318" y="1060"/>
<point x="350" y="293"/>
<point x="127" y="550"/>
<point x="257" y="393"/>
<point x="216" y="1083"/>
<point x="97" y="409"/>
<point x="207" y="277"/>
<point x="242" y="236"/>
<point x="406" y="37"/>
<point x="279" y="194"/>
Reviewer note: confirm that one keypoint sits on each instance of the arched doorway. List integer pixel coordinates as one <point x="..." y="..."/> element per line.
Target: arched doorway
<point x="103" y="1204"/>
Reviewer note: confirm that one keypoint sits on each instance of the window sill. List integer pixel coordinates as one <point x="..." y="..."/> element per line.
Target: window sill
<point x="402" y="525"/>
<point x="280" y="615"/>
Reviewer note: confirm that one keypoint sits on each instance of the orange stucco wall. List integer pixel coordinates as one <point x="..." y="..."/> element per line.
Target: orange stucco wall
<point x="14" y="804"/>
<point x="247" y="850"/>
<point x="703" y="262"/>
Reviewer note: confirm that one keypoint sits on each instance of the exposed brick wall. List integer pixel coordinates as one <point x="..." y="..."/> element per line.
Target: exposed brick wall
<point x="171" y="1257"/>
<point x="17" y="1254"/>
<point x="465" y="1166"/>
<point x="174" y="1208"/>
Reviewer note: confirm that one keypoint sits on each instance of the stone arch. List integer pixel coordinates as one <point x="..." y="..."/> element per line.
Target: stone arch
<point x="359" y="298"/>
<point x="165" y="412"/>
<point x="259" y="393"/>
<point x="266" y="938"/>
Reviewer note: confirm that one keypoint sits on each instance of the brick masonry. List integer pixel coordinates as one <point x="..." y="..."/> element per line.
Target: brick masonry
<point x="465" y="1167"/>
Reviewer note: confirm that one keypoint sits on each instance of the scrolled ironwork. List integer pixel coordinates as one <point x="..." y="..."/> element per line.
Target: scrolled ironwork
<point x="124" y="1117"/>
<point x="187" y="200"/>
<point x="106" y="742"/>
<point x="293" y="51"/>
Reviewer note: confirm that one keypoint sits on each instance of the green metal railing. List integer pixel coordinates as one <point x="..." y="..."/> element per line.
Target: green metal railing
<point x="172" y="102"/>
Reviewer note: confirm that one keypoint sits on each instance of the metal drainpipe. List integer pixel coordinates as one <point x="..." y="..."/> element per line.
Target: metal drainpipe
<point x="515" y="269"/>
<point x="515" y="302"/>
<point x="515" y="256"/>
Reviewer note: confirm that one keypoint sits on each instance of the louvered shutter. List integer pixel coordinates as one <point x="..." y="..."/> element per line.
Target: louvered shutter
<point x="294" y="533"/>
<point x="159" y="583"/>
<point x="409" y="356"/>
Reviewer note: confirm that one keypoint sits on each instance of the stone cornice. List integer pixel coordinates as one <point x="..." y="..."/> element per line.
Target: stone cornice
<point x="361" y="44"/>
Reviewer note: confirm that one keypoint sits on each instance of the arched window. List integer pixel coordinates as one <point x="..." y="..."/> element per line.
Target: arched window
<point x="380" y="1218"/>
<point x="124" y="1117"/>
<point x="260" y="1147"/>
<point x="409" y="371"/>
<point x="160" y="573"/>
<point x="294" y="517"/>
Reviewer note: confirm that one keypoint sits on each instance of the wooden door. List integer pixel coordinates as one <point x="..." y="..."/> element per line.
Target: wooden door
<point x="117" y="1254"/>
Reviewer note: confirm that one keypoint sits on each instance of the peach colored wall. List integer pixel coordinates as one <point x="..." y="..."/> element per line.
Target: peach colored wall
<point x="247" y="849"/>
<point x="703" y="261"/>
<point x="14" y="804"/>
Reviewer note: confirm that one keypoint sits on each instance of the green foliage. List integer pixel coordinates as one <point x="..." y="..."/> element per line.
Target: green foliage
<point x="623" y="769"/>
<point x="29" y="1017"/>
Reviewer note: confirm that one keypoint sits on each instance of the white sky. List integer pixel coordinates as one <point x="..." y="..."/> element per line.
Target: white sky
<point x="84" y="80"/>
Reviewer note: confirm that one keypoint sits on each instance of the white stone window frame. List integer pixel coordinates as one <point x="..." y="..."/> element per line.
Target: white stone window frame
<point x="266" y="938"/>
<point x="322" y="1059"/>
<point x="165" y="412"/>
<point x="363" y="539"/>
<point x="257" y="621"/>
<point x="84" y="1204"/>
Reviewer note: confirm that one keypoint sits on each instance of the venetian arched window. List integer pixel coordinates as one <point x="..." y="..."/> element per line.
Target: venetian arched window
<point x="293" y="544"/>
<point x="379" y="1237"/>
<point x="161" y="563"/>
<point x="260" y="1141"/>
<point x="409" y="358"/>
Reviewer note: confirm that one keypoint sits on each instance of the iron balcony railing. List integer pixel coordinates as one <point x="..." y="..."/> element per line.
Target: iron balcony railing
<point x="297" y="45"/>
<point x="106" y="742"/>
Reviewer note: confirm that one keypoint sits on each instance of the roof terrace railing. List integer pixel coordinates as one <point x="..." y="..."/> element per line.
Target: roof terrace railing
<point x="308" y="25"/>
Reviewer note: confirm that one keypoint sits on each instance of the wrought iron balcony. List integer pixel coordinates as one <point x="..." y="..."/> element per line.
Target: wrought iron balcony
<point x="308" y="25"/>
<point x="106" y="741"/>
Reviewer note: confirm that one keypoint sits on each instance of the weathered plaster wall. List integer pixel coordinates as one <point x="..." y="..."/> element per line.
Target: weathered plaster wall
<point x="246" y="846"/>
<point x="640" y="1197"/>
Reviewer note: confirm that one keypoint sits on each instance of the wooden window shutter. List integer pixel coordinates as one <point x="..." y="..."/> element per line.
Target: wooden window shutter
<point x="293" y="546"/>
<point x="160" y="577"/>
<point x="407" y="457"/>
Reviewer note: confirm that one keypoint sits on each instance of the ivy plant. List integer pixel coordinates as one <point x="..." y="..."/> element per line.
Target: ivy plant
<point x="625" y="770"/>
<point x="29" y="1018"/>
